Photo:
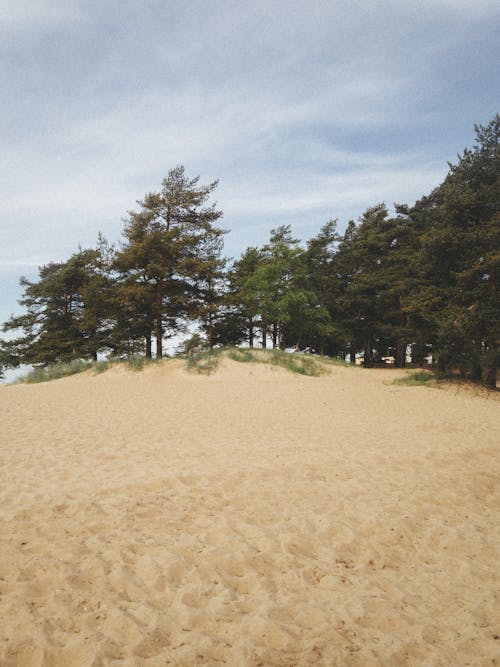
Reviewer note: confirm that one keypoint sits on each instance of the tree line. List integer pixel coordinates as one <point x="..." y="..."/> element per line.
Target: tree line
<point x="423" y="281"/>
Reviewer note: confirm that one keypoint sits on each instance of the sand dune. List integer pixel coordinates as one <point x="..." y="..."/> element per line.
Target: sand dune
<point x="252" y="517"/>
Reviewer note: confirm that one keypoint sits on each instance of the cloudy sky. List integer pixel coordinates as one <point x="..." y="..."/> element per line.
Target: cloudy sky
<point x="305" y="110"/>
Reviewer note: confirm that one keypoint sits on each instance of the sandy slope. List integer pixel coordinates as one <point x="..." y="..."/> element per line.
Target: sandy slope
<point x="253" y="517"/>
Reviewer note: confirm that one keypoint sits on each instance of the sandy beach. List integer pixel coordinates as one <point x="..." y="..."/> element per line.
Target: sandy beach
<point x="250" y="517"/>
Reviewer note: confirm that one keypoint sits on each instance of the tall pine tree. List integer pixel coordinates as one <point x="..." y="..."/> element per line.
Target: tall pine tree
<point x="162" y="256"/>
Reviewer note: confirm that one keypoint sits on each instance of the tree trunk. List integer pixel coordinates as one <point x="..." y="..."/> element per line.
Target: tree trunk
<point x="281" y="340"/>
<point x="476" y="365"/>
<point x="476" y="369"/>
<point x="275" y="335"/>
<point x="159" y="323"/>
<point x="441" y="364"/>
<point x="400" y="360"/>
<point x="418" y="353"/>
<point x="491" y="376"/>
<point x="490" y="367"/>
<point x="210" y="331"/>
<point x="250" y="332"/>
<point x="159" y="338"/>
<point x="264" y="336"/>
<point x="368" y="352"/>
<point x="148" y="346"/>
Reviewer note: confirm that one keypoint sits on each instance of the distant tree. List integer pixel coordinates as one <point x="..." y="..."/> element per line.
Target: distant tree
<point x="272" y="282"/>
<point x="319" y="258"/>
<point x="132" y="307"/>
<point x="208" y="269"/>
<point x="193" y="344"/>
<point x="372" y="281"/>
<point x="97" y="320"/>
<point x="66" y="315"/>
<point x="459" y="260"/>
<point x="363" y="256"/>
<point x="242" y="299"/>
<point x="229" y="328"/>
<point x="161" y="258"/>
<point x="425" y="279"/>
<point x="342" y="310"/>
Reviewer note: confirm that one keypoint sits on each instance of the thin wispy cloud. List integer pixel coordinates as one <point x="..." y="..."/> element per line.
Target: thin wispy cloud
<point x="303" y="110"/>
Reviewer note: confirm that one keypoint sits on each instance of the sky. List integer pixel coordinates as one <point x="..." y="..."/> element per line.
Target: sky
<point x="304" y="111"/>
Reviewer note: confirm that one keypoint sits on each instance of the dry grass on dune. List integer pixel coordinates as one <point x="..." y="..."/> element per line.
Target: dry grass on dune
<point x="248" y="517"/>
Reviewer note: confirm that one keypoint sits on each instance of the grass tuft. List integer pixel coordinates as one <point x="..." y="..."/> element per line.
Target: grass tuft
<point x="101" y="366"/>
<point x="64" y="369"/>
<point x="56" y="371"/>
<point x="418" y="379"/>
<point x="242" y="355"/>
<point x="203" y="363"/>
<point x="303" y="364"/>
<point x="207" y="362"/>
<point x="138" y="363"/>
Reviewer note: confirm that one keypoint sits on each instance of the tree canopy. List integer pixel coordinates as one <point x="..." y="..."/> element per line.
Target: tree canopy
<point x="419" y="284"/>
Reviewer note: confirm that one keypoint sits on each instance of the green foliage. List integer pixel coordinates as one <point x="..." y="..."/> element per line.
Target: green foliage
<point x="458" y="261"/>
<point x="65" y="314"/>
<point x="373" y="269"/>
<point x="56" y="371"/>
<point x="169" y="265"/>
<point x="418" y="379"/>
<point x="192" y="345"/>
<point x="210" y="285"/>
<point x="323" y="287"/>
<point x="242" y="301"/>
<point x="425" y="279"/>
<point x="272" y="287"/>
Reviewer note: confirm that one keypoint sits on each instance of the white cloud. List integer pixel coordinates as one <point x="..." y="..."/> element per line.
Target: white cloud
<point x="478" y="8"/>
<point x="18" y="263"/>
<point x="304" y="110"/>
<point x="26" y="15"/>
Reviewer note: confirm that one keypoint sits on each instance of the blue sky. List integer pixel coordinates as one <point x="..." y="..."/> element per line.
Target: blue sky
<point x="304" y="110"/>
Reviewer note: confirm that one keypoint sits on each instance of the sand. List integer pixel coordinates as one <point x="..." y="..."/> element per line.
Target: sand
<point x="252" y="517"/>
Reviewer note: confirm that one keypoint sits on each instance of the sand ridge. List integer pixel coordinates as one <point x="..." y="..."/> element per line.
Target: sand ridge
<point x="252" y="517"/>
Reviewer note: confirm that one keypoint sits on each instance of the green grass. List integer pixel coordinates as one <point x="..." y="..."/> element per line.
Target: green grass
<point x="418" y="379"/>
<point x="207" y="363"/>
<point x="65" y="369"/>
<point x="441" y="380"/>
<point x="241" y="355"/>
<point x="203" y="363"/>
<point x="101" y="366"/>
<point x="56" y="371"/>
<point x="138" y="363"/>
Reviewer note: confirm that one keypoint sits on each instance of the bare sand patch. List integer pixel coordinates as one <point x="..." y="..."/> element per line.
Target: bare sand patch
<point x="251" y="517"/>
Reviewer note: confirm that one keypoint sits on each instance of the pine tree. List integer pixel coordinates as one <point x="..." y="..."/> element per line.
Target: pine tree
<point x="319" y="258"/>
<point x="272" y="282"/>
<point x="242" y="299"/>
<point x="459" y="259"/>
<point x="209" y="271"/>
<point x="65" y="314"/>
<point x="160" y="260"/>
